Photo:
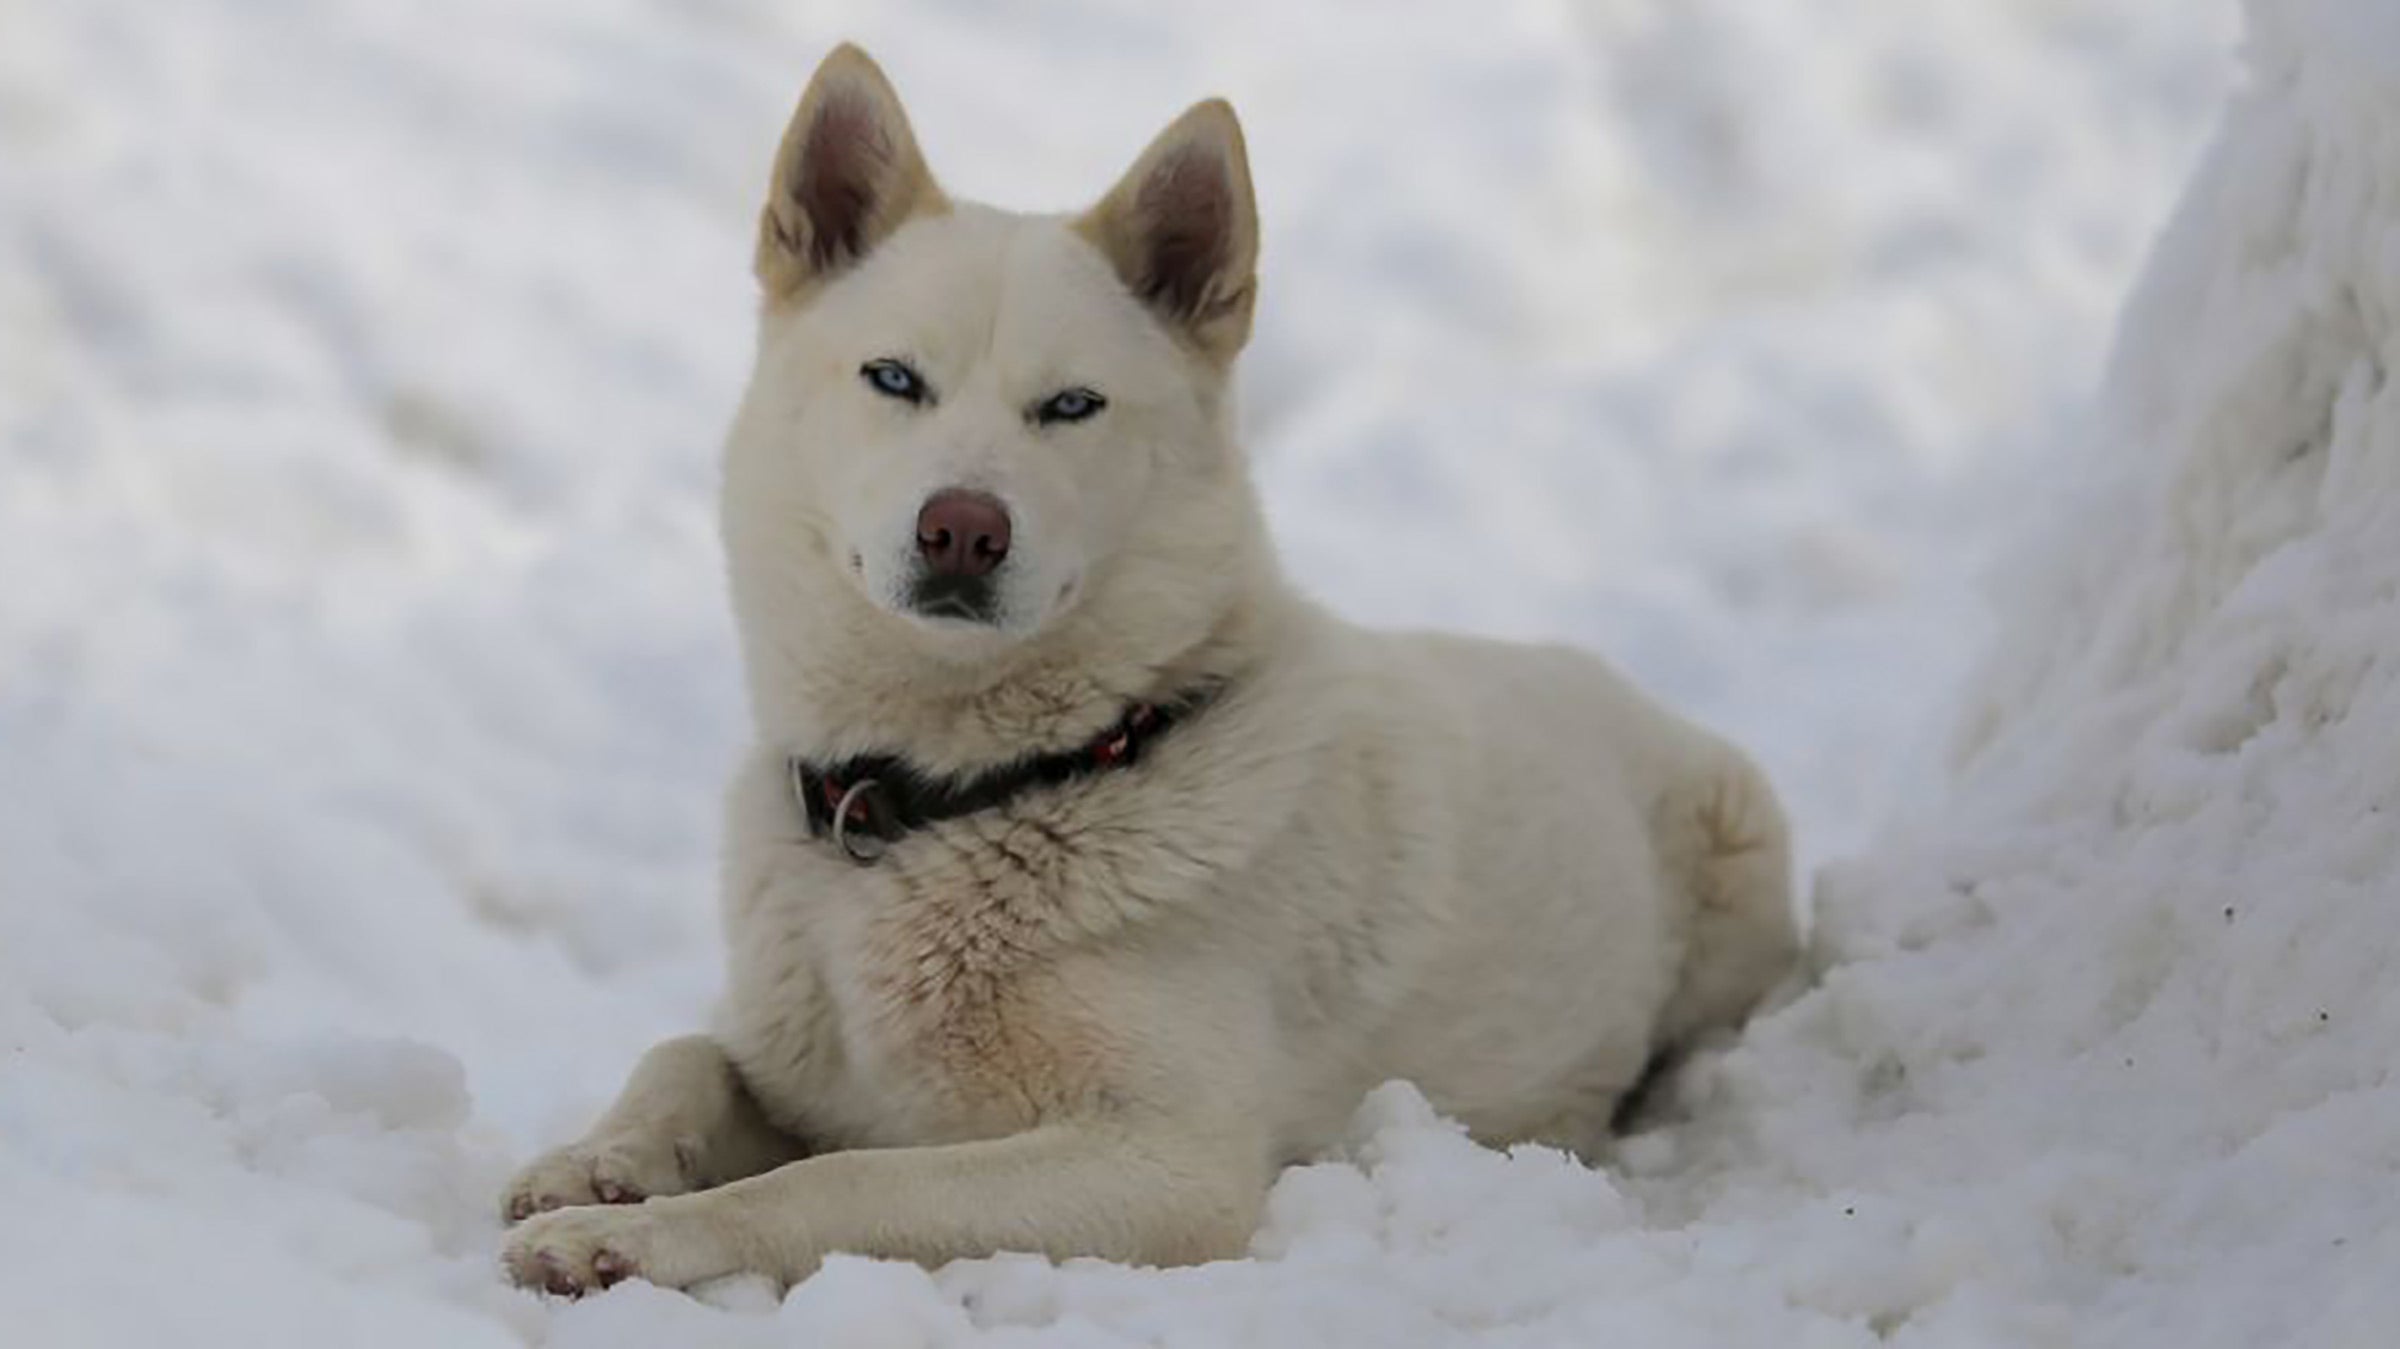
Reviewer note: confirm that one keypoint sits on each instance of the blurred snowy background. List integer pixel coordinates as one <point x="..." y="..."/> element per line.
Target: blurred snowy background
<point x="365" y="678"/>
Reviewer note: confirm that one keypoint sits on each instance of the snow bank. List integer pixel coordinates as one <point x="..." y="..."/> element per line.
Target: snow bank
<point x="364" y="681"/>
<point x="2120" y="1016"/>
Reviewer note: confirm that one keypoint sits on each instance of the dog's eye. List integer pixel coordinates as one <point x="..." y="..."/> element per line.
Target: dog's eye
<point x="1068" y="405"/>
<point x="895" y="379"/>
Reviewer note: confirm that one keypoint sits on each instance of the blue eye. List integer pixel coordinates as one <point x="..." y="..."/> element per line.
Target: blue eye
<point x="1068" y="405"/>
<point x="895" y="379"/>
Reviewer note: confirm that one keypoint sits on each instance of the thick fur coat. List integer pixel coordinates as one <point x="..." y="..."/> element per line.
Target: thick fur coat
<point x="1097" y="1018"/>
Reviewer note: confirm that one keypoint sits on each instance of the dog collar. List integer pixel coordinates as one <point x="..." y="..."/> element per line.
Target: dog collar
<point x="869" y="802"/>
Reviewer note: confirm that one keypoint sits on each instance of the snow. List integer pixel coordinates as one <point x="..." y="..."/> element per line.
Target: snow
<point x="365" y="680"/>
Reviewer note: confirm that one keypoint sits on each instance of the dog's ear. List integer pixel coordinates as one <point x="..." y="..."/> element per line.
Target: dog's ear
<point x="847" y="174"/>
<point x="1181" y="229"/>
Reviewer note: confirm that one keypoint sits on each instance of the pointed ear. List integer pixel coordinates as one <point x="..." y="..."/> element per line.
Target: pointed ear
<point x="1181" y="229"/>
<point x="847" y="174"/>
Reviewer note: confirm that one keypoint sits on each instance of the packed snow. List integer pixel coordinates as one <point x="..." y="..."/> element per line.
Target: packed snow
<point x="365" y="676"/>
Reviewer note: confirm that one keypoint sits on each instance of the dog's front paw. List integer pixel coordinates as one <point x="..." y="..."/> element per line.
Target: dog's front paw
<point x="623" y="1170"/>
<point x="583" y="1250"/>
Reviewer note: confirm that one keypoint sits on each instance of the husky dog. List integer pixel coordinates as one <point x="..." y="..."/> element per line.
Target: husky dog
<point x="1083" y="874"/>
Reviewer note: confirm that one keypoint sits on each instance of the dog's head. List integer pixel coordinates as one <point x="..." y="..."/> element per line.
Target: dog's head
<point x="967" y="426"/>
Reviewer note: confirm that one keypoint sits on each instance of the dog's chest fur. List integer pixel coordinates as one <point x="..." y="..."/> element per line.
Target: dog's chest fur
<point x="919" y="999"/>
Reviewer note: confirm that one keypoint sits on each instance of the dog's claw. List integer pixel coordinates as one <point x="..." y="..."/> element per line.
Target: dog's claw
<point x="611" y="1268"/>
<point x="616" y="1192"/>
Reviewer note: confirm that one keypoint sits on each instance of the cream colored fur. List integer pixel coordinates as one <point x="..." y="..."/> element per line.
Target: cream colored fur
<point x="1097" y="1020"/>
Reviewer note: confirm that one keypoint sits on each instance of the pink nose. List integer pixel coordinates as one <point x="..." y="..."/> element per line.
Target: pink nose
<point x="962" y="533"/>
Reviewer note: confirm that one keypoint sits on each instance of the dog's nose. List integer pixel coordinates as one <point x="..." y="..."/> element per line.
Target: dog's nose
<point x="962" y="533"/>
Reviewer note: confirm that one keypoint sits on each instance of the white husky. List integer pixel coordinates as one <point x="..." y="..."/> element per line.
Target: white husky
<point x="1083" y="874"/>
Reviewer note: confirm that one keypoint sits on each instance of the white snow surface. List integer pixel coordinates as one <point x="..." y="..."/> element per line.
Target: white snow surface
<point x="365" y="676"/>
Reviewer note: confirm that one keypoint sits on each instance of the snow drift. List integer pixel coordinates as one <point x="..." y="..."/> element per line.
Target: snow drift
<point x="362" y="680"/>
<point x="2120" y="1018"/>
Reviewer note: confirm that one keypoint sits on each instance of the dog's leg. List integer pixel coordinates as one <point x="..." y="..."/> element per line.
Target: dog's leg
<point x="683" y="1122"/>
<point x="1157" y="1196"/>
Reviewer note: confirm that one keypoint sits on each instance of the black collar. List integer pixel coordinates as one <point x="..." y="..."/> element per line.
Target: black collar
<point x="867" y="803"/>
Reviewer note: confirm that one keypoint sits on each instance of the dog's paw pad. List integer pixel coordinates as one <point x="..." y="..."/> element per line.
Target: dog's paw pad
<point x="611" y="1269"/>
<point x="536" y="1269"/>
<point x="526" y="1203"/>
<point x="556" y="1279"/>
